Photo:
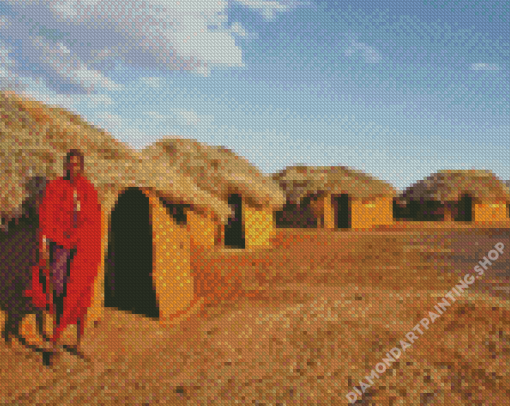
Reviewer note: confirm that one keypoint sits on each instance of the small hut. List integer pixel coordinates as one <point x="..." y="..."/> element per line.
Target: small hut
<point x="507" y="183"/>
<point x="476" y="196"/>
<point x="146" y="263"/>
<point x="252" y="196"/>
<point x="338" y="197"/>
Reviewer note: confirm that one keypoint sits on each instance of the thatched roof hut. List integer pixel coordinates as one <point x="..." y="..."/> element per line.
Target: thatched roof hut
<point x="450" y="185"/>
<point x="339" y="197"/>
<point x="300" y="181"/>
<point x="217" y="170"/>
<point x="232" y="179"/>
<point x="463" y="195"/>
<point x="35" y="139"/>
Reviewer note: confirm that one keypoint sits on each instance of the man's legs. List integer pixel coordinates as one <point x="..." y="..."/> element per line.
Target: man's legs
<point x="60" y="263"/>
<point x="80" y="325"/>
<point x="58" y="301"/>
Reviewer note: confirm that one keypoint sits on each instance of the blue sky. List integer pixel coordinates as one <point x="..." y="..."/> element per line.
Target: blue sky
<point x="399" y="89"/>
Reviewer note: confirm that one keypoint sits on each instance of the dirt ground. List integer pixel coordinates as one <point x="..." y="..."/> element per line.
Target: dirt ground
<point x="321" y="311"/>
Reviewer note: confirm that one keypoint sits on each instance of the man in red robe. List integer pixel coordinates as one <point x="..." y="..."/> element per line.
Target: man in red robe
<point x="70" y="225"/>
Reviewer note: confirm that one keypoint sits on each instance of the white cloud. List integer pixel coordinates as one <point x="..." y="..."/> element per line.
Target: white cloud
<point x="369" y="53"/>
<point x="268" y="8"/>
<point x="73" y="45"/>
<point x="8" y="78"/>
<point x="238" y="29"/>
<point x="484" y="66"/>
<point x="202" y="71"/>
<point x="59" y="65"/>
<point x="90" y="78"/>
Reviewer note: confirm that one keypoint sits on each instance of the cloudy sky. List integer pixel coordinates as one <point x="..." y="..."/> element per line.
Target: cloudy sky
<point x="397" y="88"/>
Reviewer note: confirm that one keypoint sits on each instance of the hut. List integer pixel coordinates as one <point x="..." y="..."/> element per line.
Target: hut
<point x="252" y="196"/>
<point x="507" y="183"/>
<point x="338" y="197"/>
<point x="144" y="246"/>
<point x="476" y="196"/>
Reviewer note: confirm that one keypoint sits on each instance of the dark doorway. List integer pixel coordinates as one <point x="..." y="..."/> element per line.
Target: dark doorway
<point x="234" y="233"/>
<point x="414" y="210"/>
<point x="342" y="211"/>
<point x="401" y="211"/>
<point x="128" y="274"/>
<point x="177" y="211"/>
<point x="465" y="208"/>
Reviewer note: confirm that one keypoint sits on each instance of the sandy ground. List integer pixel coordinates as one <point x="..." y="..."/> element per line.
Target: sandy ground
<point x="315" y="329"/>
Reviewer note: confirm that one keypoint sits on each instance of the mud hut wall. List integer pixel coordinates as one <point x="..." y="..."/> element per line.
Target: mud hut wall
<point x="171" y="261"/>
<point x="329" y="213"/>
<point x="385" y="211"/>
<point x="367" y="213"/>
<point x="259" y="226"/>
<point x="490" y="211"/>
<point x="203" y="228"/>
<point x="219" y="234"/>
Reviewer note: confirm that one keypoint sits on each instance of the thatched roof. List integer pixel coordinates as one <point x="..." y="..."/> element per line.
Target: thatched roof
<point x="298" y="181"/>
<point x="35" y="138"/>
<point x="217" y="170"/>
<point x="450" y="185"/>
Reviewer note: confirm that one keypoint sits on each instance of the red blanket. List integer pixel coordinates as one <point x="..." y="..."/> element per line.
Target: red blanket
<point x="56" y="223"/>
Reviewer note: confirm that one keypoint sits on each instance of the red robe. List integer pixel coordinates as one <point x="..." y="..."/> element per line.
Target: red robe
<point x="55" y="222"/>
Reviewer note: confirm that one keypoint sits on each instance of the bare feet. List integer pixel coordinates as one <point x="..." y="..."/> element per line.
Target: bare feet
<point x="76" y="350"/>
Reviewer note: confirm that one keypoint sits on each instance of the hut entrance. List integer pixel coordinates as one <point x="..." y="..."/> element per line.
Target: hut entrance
<point x="234" y="234"/>
<point x="128" y="274"/>
<point x="465" y="209"/>
<point x="177" y="211"/>
<point x="342" y="211"/>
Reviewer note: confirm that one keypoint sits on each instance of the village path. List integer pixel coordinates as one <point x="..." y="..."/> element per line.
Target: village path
<point x="297" y="344"/>
<point x="468" y="250"/>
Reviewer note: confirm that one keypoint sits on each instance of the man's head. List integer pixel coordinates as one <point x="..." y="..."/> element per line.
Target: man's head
<point x="74" y="163"/>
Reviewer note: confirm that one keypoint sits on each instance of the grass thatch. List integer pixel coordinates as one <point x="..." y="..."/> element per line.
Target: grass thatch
<point x="34" y="139"/>
<point x="450" y="185"/>
<point x="217" y="170"/>
<point x="301" y="181"/>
